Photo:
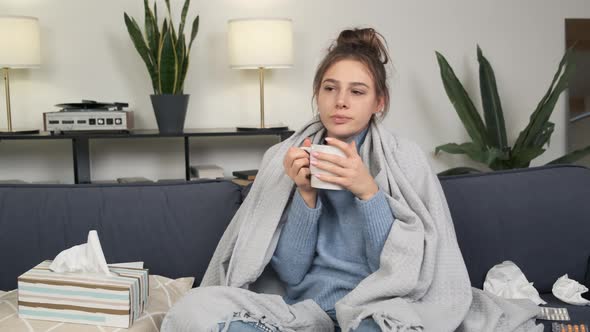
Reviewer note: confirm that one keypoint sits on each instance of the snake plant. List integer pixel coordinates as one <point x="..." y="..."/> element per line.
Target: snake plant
<point x="489" y="144"/>
<point x="164" y="51"/>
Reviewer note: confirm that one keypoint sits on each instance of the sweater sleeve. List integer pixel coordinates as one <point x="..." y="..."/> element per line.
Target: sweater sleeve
<point x="297" y="243"/>
<point x="377" y="220"/>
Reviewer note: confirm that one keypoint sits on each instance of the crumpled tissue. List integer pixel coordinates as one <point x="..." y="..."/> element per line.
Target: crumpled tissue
<point x="507" y="280"/>
<point x="569" y="291"/>
<point x="84" y="258"/>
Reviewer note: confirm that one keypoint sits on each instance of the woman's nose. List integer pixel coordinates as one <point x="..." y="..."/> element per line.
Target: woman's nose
<point x="342" y="101"/>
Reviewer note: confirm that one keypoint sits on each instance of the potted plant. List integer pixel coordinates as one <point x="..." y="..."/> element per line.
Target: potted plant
<point x="489" y="144"/>
<point x="166" y="55"/>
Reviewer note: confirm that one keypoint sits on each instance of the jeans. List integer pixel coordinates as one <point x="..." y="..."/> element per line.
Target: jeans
<point x="366" y="325"/>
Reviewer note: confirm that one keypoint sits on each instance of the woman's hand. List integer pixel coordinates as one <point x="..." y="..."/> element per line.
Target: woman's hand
<point x="296" y="164"/>
<point x="349" y="172"/>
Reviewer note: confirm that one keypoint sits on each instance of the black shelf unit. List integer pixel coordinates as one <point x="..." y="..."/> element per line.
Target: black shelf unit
<point x="81" y="149"/>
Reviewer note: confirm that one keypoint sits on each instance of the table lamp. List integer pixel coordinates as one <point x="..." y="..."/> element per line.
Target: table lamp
<point x="260" y="44"/>
<point x="19" y="48"/>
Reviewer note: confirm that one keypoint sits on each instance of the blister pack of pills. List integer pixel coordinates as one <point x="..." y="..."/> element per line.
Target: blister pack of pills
<point x="559" y="327"/>
<point x="549" y="313"/>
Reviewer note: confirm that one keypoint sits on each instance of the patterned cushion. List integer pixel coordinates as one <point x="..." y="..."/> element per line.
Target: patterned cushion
<point x="163" y="293"/>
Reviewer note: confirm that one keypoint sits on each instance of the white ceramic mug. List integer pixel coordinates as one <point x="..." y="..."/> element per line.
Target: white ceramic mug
<point x="315" y="182"/>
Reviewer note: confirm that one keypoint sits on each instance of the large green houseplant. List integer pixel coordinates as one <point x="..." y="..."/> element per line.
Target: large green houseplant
<point x="165" y="52"/>
<point x="489" y="144"/>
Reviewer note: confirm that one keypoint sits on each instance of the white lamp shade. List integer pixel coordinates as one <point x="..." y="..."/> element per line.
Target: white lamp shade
<point x="255" y="43"/>
<point x="19" y="42"/>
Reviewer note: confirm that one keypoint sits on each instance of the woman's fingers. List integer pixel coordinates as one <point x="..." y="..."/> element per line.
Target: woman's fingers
<point x="330" y="167"/>
<point x="331" y="158"/>
<point x="294" y="154"/>
<point x="299" y="163"/>
<point x="348" y="149"/>
<point x="339" y="180"/>
<point x="299" y="153"/>
<point x="304" y="173"/>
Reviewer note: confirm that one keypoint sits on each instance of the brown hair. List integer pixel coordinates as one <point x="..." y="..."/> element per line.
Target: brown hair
<point x="366" y="46"/>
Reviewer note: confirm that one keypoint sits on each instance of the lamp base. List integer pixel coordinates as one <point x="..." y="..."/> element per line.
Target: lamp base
<point x="277" y="126"/>
<point x="19" y="132"/>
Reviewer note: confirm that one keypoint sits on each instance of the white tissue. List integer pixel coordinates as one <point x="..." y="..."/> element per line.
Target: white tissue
<point x="507" y="280"/>
<point x="569" y="291"/>
<point x="83" y="258"/>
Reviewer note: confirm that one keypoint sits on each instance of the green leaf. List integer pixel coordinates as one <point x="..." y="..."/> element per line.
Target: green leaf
<point x="571" y="157"/>
<point x="452" y="148"/>
<point x="156" y="31"/>
<point x="183" y="73"/>
<point x="490" y="156"/>
<point x="168" y="69"/>
<point x="142" y="49"/>
<point x="462" y="103"/>
<point x="565" y="61"/>
<point x="171" y="27"/>
<point x="544" y="136"/>
<point x="492" y="107"/>
<point x="524" y="157"/>
<point x="181" y="60"/>
<point x="151" y="29"/>
<point x="500" y="164"/>
<point x="183" y="17"/>
<point x="185" y="64"/>
<point x="164" y="31"/>
<point x="169" y="11"/>
<point x="459" y="171"/>
<point x="481" y="154"/>
<point x="542" y="113"/>
<point x="194" y="32"/>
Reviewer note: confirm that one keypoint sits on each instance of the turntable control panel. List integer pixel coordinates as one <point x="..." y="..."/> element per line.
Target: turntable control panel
<point x="89" y="116"/>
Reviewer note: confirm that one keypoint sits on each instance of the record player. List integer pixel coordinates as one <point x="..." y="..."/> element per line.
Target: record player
<point x="89" y="115"/>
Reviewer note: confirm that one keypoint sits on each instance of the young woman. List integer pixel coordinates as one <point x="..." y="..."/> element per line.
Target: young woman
<point x="379" y="255"/>
<point x="333" y="239"/>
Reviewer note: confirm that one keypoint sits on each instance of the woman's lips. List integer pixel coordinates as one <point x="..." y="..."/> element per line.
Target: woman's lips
<point x="340" y="119"/>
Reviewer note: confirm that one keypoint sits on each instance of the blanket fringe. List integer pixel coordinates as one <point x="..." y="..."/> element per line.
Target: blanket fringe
<point x="389" y="324"/>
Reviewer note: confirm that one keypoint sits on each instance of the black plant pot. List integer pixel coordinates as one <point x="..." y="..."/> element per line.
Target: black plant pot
<point x="170" y="112"/>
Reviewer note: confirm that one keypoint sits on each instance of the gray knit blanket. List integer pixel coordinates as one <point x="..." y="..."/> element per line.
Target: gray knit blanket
<point x="422" y="283"/>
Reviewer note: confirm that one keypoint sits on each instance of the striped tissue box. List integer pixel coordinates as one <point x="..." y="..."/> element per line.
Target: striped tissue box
<point x="116" y="300"/>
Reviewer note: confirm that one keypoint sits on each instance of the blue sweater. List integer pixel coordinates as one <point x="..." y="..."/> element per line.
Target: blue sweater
<point x="323" y="253"/>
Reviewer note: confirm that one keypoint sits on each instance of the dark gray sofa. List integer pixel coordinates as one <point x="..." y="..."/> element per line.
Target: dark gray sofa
<point x="538" y="217"/>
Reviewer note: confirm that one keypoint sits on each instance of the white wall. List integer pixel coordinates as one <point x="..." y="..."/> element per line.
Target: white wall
<point x="87" y="53"/>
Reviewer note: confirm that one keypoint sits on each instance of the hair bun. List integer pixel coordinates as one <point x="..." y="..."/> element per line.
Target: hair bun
<point x="367" y="40"/>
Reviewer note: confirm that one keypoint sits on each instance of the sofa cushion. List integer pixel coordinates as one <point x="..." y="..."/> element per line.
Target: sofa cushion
<point x="535" y="217"/>
<point x="173" y="228"/>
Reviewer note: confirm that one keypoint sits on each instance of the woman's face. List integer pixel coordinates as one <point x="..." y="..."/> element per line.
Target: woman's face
<point x="347" y="99"/>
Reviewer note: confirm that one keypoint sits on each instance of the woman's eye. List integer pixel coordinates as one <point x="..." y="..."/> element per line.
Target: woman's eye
<point x="328" y="88"/>
<point x="356" y="92"/>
